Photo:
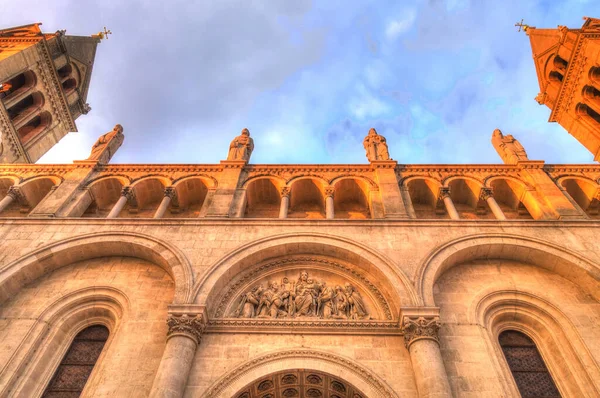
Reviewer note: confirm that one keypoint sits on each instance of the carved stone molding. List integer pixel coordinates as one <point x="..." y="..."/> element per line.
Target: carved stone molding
<point x="419" y="328"/>
<point x="312" y="326"/>
<point x="191" y="326"/>
<point x="234" y="289"/>
<point x="485" y="193"/>
<point x="15" y="193"/>
<point x="379" y="386"/>
<point x="329" y="191"/>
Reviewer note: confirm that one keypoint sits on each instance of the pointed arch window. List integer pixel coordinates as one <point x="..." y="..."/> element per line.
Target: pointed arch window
<point x="527" y="366"/>
<point x="77" y="365"/>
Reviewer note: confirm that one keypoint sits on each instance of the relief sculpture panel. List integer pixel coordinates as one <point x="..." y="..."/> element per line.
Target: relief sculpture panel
<point x="302" y="296"/>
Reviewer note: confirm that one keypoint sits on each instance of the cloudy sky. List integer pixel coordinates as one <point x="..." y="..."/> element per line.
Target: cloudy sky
<point x="309" y="79"/>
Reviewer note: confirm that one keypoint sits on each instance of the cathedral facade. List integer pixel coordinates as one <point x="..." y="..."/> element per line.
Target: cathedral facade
<point x="265" y="281"/>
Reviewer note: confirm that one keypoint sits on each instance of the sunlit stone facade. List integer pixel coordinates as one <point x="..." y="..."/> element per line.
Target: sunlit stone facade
<point x="245" y="280"/>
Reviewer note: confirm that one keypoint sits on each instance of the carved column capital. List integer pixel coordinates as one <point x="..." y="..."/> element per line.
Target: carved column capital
<point x="444" y="192"/>
<point x="189" y="325"/>
<point x="485" y="193"/>
<point x="128" y="192"/>
<point x="419" y="328"/>
<point x="285" y="192"/>
<point x="15" y="193"/>
<point x="170" y="192"/>
<point x="329" y="191"/>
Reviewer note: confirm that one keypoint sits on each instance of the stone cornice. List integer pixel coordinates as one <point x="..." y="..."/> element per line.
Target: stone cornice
<point x="307" y="168"/>
<point x="12" y="136"/>
<point x="296" y="326"/>
<point x="456" y="168"/>
<point x="165" y="168"/>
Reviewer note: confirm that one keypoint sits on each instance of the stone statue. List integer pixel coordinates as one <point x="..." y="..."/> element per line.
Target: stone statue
<point x="249" y="302"/>
<point x="304" y="298"/>
<point x="241" y="147"/>
<point x="356" y="306"/>
<point x="106" y="146"/>
<point x="376" y="146"/>
<point x="510" y="149"/>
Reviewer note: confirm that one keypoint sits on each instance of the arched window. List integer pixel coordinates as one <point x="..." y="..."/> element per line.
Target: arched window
<point x="527" y="366"/>
<point x="78" y="363"/>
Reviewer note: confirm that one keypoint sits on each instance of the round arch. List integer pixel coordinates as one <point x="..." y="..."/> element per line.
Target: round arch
<point x="488" y="181"/>
<point x="124" y="180"/>
<point x="56" y="180"/>
<point x="84" y="247"/>
<point x="344" y="368"/>
<point x="390" y="276"/>
<point x="584" y="179"/>
<point x="407" y="180"/>
<point x="320" y="181"/>
<point x="165" y="181"/>
<point x="561" y="346"/>
<point x="446" y="181"/>
<point x="566" y="263"/>
<point x="207" y="180"/>
<point x="276" y="180"/>
<point x="370" y="183"/>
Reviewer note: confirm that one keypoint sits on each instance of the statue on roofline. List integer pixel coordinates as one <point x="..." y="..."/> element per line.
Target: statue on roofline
<point x="241" y="147"/>
<point x="508" y="147"/>
<point x="376" y="146"/>
<point x="105" y="147"/>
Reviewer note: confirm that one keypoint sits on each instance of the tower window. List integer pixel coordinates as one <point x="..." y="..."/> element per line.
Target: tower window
<point x="78" y="363"/>
<point x="527" y="366"/>
<point x="35" y="126"/>
<point x="560" y="63"/>
<point x="587" y="112"/>
<point x="555" y="77"/>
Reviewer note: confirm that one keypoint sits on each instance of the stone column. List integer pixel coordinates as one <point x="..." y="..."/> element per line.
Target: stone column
<point x="285" y="202"/>
<point x="14" y="193"/>
<point x="421" y="340"/>
<point x="329" y="211"/>
<point x="170" y="193"/>
<point x="126" y="194"/>
<point x="445" y="195"/>
<point x="487" y="195"/>
<point x="183" y="337"/>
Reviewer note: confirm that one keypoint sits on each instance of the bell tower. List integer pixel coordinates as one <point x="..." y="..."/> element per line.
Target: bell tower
<point x="44" y="82"/>
<point x="567" y="62"/>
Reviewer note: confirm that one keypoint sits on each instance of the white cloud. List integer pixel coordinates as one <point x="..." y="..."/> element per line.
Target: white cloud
<point x="366" y="105"/>
<point x="399" y="26"/>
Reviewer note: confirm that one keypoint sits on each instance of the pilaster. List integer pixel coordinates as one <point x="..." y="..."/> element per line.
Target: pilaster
<point x="228" y="200"/>
<point x="391" y="197"/>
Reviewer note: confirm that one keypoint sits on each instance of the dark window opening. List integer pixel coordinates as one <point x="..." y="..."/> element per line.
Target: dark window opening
<point x="77" y="365"/>
<point x="527" y="366"/>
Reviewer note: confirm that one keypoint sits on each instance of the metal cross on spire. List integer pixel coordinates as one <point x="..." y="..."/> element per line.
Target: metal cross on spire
<point x="522" y="26"/>
<point x="103" y="35"/>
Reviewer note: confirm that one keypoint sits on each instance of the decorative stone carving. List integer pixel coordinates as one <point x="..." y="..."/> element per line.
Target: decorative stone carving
<point x="302" y="298"/>
<point x="485" y="193"/>
<point x="105" y="147"/>
<point x="376" y="146"/>
<point x="329" y="191"/>
<point x="191" y="326"/>
<point x="420" y="328"/>
<point x="508" y="147"/>
<point x="241" y="147"/>
<point x="285" y="192"/>
<point x="15" y="193"/>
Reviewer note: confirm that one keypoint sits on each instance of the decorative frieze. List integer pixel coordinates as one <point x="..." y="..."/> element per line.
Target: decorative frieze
<point x="192" y="326"/>
<point x="419" y="328"/>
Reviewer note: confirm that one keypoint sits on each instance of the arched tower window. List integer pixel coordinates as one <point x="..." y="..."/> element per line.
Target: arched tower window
<point x="527" y="366"/>
<point x="78" y="363"/>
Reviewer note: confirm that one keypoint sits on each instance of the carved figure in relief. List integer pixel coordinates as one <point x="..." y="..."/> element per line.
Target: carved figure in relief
<point x="508" y="147"/>
<point x="303" y="298"/>
<point x="376" y="146"/>
<point x="241" y="147"/>
<point x="249" y="302"/>
<point x="356" y="305"/>
<point x="105" y="147"/>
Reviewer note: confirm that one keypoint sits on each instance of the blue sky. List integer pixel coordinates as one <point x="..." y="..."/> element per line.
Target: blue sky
<point x="309" y="79"/>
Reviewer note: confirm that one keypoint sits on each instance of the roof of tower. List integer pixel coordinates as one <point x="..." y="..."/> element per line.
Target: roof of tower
<point x="82" y="49"/>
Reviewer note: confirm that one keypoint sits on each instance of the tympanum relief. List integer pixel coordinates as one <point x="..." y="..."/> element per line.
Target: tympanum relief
<point x="302" y="297"/>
